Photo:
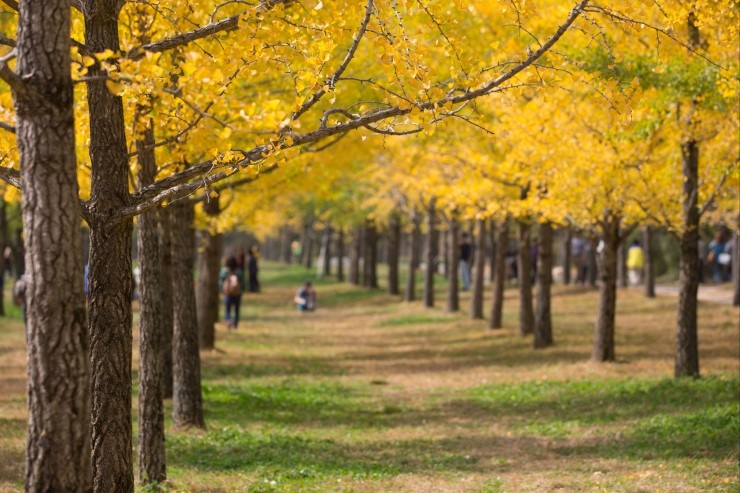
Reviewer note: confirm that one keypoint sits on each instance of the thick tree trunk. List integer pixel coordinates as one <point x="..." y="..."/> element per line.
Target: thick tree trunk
<point x="430" y="254"/>
<point x="453" y="280"/>
<point x="603" y="349"/>
<point x="499" y="265"/>
<point x="58" y="439"/>
<point x="354" y="256"/>
<point x="394" y="247"/>
<point x="410" y="294"/>
<point x="209" y="263"/>
<point x="187" y="405"/>
<point x="340" y="255"/>
<point x="371" y="255"/>
<point x="166" y="313"/>
<point x="476" y="299"/>
<point x="110" y="280"/>
<point x="152" y="468"/>
<point x="647" y="240"/>
<point x="543" y="318"/>
<point x="526" y="311"/>
<point x="567" y="259"/>
<point x="687" y="345"/>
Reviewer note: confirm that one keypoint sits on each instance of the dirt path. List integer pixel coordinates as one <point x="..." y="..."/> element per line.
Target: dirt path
<point x="711" y="294"/>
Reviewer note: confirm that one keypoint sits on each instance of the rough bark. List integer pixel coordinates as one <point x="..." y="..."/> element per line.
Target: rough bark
<point x="394" y="247"/>
<point x="479" y="266"/>
<point x="497" y="307"/>
<point x="187" y="405"/>
<point x="410" y="293"/>
<point x="543" y="317"/>
<point x="603" y="349"/>
<point x="430" y="254"/>
<point x="567" y="259"/>
<point x="166" y="313"/>
<point x="354" y="257"/>
<point x="58" y="438"/>
<point x="340" y="255"/>
<point x="647" y="240"/>
<point x="526" y="311"/>
<point x="209" y="262"/>
<point x="110" y="280"/>
<point x="152" y="468"/>
<point x="453" y="280"/>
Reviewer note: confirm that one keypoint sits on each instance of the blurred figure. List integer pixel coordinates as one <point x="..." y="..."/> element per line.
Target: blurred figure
<point x="716" y="248"/>
<point x="253" y="269"/>
<point x="305" y="298"/>
<point x="635" y="263"/>
<point x="232" y="283"/>
<point x="466" y="254"/>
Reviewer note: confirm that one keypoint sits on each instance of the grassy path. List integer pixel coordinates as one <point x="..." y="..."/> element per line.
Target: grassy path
<point x="369" y="394"/>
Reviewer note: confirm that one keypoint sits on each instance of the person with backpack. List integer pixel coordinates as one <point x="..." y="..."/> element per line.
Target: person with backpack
<point x="232" y="285"/>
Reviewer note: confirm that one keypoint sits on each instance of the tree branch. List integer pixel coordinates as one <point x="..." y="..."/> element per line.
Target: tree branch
<point x="12" y="4"/>
<point x="11" y="176"/>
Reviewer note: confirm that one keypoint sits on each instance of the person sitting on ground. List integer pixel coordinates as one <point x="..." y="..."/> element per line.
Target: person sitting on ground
<point x="305" y="298"/>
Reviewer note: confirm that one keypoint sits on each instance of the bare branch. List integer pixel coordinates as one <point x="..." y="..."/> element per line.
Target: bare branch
<point x="10" y="77"/>
<point x="7" y="127"/>
<point x="12" y="4"/>
<point x="5" y="41"/>
<point x="11" y="176"/>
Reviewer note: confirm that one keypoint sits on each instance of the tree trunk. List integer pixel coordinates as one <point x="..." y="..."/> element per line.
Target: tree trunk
<point x="58" y="438"/>
<point x="603" y="349"/>
<point x="687" y="345"/>
<point x="476" y="300"/>
<point x="371" y="257"/>
<point x="166" y="313"/>
<point x="326" y="251"/>
<point x="410" y="294"/>
<point x="394" y="247"/>
<point x="110" y="279"/>
<point x="340" y="255"/>
<point x="453" y="252"/>
<point x="152" y="468"/>
<point x="287" y="239"/>
<point x="3" y="244"/>
<point x="499" y="265"/>
<point x="492" y="251"/>
<point x="354" y="257"/>
<point x="647" y="240"/>
<point x="209" y="263"/>
<point x="187" y="405"/>
<point x="593" y="264"/>
<point x="543" y="320"/>
<point x="447" y="267"/>
<point x="622" y="266"/>
<point x="526" y="311"/>
<point x="430" y="254"/>
<point x="567" y="259"/>
<point x="307" y="249"/>
<point x="736" y="267"/>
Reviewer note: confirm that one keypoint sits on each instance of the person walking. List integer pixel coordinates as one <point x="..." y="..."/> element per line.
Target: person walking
<point x="635" y="263"/>
<point x="466" y="255"/>
<point x="232" y="284"/>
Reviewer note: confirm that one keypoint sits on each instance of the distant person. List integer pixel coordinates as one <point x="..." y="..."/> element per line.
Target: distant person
<point x="635" y="263"/>
<point x="296" y="249"/>
<point x="579" y="252"/>
<point x="253" y="269"/>
<point x="241" y="259"/>
<point x="716" y="248"/>
<point x="305" y="298"/>
<point x="466" y="255"/>
<point x="19" y="294"/>
<point x="232" y="283"/>
<point x="8" y="260"/>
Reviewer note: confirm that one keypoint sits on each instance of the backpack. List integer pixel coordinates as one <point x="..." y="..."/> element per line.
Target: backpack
<point x="231" y="285"/>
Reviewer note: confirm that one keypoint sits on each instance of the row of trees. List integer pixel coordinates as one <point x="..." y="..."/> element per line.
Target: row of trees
<point x="187" y="96"/>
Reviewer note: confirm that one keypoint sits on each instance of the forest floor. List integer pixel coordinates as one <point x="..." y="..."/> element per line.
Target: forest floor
<point x="369" y="394"/>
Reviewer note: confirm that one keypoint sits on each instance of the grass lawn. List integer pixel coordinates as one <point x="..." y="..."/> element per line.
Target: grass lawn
<point x="370" y="394"/>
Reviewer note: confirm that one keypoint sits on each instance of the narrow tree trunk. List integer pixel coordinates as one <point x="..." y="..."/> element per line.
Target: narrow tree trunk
<point x="394" y="247"/>
<point x="736" y="267"/>
<point x="340" y="255"/>
<point x="687" y="345"/>
<point x="492" y="250"/>
<point x="476" y="300"/>
<point x="622" y="266"/>
<point x="526" y="311"/>
<point x="326" y="251"/>
<point x="58" y="438"/>
<point x="287" y="239"/>
<point x="543" y="319"/>
<point x="430" y="254"/>
<point x="410" y="294"/>
<point x="499" y="265"/>
<point x="371" y="249"/>
<point x="307" y="249"/>
<point x="166" y="313"/>
<point x="354" y="256"/>
<point x="187" y="405"/>
<point x="593" y="264"/>
<point x="110" y="279"/>
<point x="447" y="267"/>
<point x="603" y="349"/>
<point x="209" y="260"/>
<point x="453" y="252"/>
<point x="3" y="244"/>
<point x="647" y="240"/>
<point x="152" y="468"/>
<point x="567" y="259"/>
